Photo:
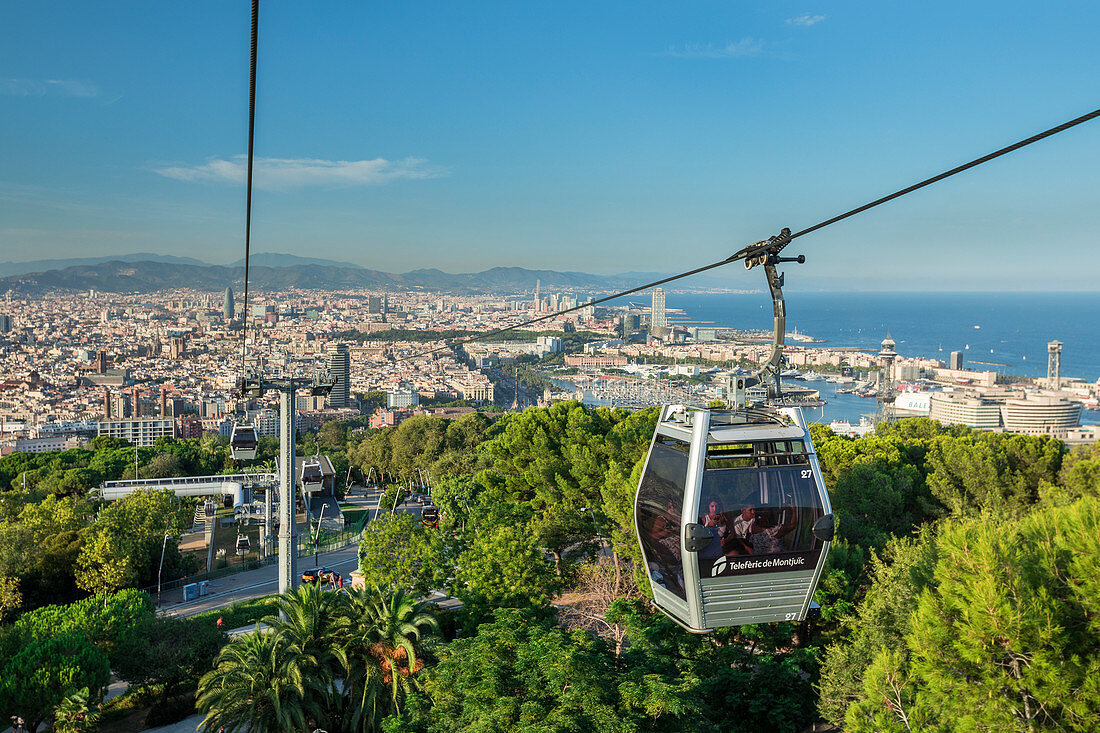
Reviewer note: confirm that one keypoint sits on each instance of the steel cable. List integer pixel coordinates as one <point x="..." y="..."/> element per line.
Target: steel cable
<point x="248" y="184"/>
<point x="753" y="248"/>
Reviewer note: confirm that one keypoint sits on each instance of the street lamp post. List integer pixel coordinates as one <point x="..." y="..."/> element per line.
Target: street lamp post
<point x="595" y="526"/>
<point x="160" y="569"/>
<point x="317" y="535"/>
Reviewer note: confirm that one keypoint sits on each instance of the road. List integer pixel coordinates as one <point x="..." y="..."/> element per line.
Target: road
<point x="264" y="581"/>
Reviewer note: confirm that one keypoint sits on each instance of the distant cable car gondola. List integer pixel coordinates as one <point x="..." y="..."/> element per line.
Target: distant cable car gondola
<point x="312" y="478"/>
<point x="429" y="517"/>
<point x="733" y="516"/>
<point x="243" y="544"/>
<point x="243" y="442"/>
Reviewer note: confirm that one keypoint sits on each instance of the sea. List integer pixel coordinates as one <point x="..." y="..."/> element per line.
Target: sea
<point x="1003" y="332"/>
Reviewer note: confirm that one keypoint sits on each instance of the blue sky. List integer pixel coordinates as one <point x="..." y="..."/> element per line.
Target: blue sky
<point x="601" y="137"/>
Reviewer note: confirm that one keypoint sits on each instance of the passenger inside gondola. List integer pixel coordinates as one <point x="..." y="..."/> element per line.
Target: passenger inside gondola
<point x="659" y="510"/>
<point x="663" y="554"/>
<point x="767" y="531"/>
<point x="773" y="511"/>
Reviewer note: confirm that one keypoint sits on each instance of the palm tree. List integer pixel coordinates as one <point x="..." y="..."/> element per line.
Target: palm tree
<point x="260" y="683"/>
<point x="308" y="616"/>
<point x="381" y="630"/>
<point x="77" y="713"/>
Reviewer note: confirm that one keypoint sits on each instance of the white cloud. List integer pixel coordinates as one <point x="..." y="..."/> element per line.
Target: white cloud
<point x="280" y="174"/>
<point x="806" y="20"/>
<point x="731" y="50"/>
<point x="48" y="87"/>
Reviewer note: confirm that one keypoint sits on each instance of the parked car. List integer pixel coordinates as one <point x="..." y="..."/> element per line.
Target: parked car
<point x="324" y="575"/>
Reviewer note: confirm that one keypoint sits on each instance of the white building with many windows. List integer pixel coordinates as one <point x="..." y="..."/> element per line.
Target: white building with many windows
<point x="141" y="432"/>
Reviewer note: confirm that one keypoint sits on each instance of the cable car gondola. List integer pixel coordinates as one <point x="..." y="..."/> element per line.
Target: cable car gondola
<point x="243" y="442"/>
<point x="733" y="516"/>
<point x="312" y="477"/>
<point x="732" y="512"/>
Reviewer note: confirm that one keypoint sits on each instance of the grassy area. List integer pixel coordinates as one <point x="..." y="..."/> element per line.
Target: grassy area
<point x="241" y="613"/>
<point x="125" y="712"/>
<point x="140" y="709"/>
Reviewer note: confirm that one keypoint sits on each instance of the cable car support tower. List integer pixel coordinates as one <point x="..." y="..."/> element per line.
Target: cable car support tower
<point x="256" y="386"/>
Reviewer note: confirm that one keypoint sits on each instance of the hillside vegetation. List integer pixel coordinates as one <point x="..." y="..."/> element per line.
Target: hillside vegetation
<point x="961" y="593"/>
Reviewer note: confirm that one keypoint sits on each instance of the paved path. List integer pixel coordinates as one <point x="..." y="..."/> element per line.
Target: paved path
<point x="265" y="581"/>
<point x="187" y="725"/>
<point x="255" y="583"/>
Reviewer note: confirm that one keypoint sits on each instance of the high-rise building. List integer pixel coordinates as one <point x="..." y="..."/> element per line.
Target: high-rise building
<point x="227" y="307"/>
<point x="374" y="305"/>
<point x="5" y="324"/>
<point x="956" y="360"/>
<point x="658" y="318"/>
<point x="339" y="366"/>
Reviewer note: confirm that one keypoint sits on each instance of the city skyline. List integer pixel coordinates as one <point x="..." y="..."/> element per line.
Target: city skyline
<point x="571" y="138"/>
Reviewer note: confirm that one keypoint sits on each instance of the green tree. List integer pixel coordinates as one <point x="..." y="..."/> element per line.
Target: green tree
<point x="398" y="552"/>
<point x="521" y="672"/>
<point x="103" y="619"/>
<point x="333" y="436"/>
<point x="504" y="568"/>
<point x="260" y="683"/>
<point x="1002" y="635"/>
<point x="628" y="444"/>
<point x="124" y="544"/>
<point x="166" y="652"/>
<point x="38" y="677"/>
<point x="382" y="635"/>
<point x="77" y="713"/>
<point x="999" y="473"/>
<point x="11" y="600"/>
<point x="1080" y="473"/>
<point x="163" y="465"/>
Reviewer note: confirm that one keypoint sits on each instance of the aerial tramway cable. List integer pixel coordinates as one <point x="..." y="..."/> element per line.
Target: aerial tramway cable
<point x="248" y="184"/>
<point x="773" y="244"/>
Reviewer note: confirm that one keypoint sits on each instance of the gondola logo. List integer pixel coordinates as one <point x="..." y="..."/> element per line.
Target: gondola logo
<point x="727" y="565"/>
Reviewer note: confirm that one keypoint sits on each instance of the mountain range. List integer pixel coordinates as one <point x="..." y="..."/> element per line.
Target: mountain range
<point x="273" y="271"/>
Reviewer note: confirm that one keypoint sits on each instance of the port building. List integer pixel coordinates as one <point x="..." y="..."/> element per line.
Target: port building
<point x="1025" y="413"/>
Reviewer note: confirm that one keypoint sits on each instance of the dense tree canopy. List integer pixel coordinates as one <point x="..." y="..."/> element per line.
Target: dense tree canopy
<point x="960" y="592"/>
<point x="123" y="546"/>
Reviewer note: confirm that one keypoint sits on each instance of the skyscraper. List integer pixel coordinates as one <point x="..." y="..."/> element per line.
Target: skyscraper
<point x="227" y="308"/>
<point x="339" y="366"/>
<point x="658" y="319"/>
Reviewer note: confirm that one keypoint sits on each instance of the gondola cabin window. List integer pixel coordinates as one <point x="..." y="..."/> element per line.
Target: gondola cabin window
<point x="761" y="501"/>
<point x="660" y="508"/>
